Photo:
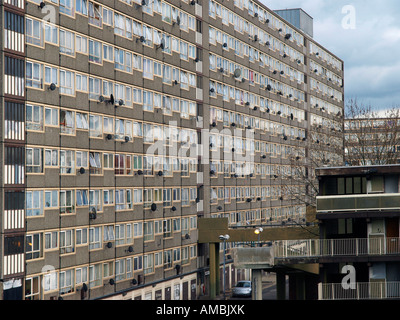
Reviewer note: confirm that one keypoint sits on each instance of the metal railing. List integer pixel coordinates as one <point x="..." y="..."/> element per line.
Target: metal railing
<point x="314" y="248"/>
<point x="381" y="201"/>
<point x="362" y="291"/>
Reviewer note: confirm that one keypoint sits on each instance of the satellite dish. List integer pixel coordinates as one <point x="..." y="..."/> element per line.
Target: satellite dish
<point x="237" y="73"/>
<point x="109" y="244"/>
<point x="41" y="5"/>
<point x="84" y="287"/>
<point x="145" y="2"/>
<point x="162" y="44"/>
<point x="101" y="99"/>
<point x="112" y="99"/>
<point x="153" y="207"/>
<point x="109" y="136"/>
<point x="142" y="39"/>
<point x="178" y="20"/>
<point x="53" y="87"/>
<point x="121" y="102"/>
<point x="127" y="138"/>
<point x="111" y="281"/>
<point x="173" y="208"/>
<point x="82" y="170"/>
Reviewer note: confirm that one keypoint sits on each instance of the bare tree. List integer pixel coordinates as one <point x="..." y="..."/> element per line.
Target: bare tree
<point x="371" y="137"/>
<point x="302" y="185"/>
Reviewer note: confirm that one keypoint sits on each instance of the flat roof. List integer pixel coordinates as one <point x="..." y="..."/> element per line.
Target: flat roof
<point x="358" y="170"/>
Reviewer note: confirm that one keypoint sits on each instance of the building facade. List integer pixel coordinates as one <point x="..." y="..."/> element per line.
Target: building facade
<point x="372" y="140"/>
<point x="359" y="217"/>
<point x="124" y="122"/>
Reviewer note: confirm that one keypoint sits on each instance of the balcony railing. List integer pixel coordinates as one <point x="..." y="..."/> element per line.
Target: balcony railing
<point x="363" y="291"/>
<point x="314" y="248"/>
<point x="381" y="201"/>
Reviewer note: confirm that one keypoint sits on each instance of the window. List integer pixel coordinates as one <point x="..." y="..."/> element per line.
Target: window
<point x="81" y="82"/>
<point x="147" y="68"/>
<point x="51" y="240"/>
<point x="49" y="281"/>
<point x="95" y="14"/>
<point x="67" y="82"/>
<point x="137" y="196"/>
<point x="108" y="233"/>
<point x="67" y="161"/>
<point x="94" y="88"/>
<point x="95" y="126"/>
<point x="34" y="32"/>
<point x="148" y="263"/>
<point x="81" y="236"/>
<point x="81" y="275"/>
<point x="95" y="200"/>
<point x="81" y="44"/>
<point x="34" y="117"/>
<point x="82" y="121"/>
<point x="108" y="17"/>
<point x="34" y="160"/>
<point x="66" y="281"/>
<point x="81" y="159"/>
<point x="51" y="116"/>
<point x="94" y="51"/>
<point x="95" y="275"/>
<point x="137" y="263"/>
<point x="34" y="75"/>
<point x="33" y="246"/>
<point x="147" y="101"/>
<point x="108" y="197"/>
<point x="108" y="52"/>
<point x="138" y="229"/>
<point x="34" y="203"/>
<point x="94" y="237"/>
<point x="66" y="241"/>
<point x="148" y="232"/>
<point x="67" y="42"/>
<point x="81" y="198"/>
<point x="67" y="122"/>
<point x="166" y="13"/>
<point x="51" y="199"/>
<point x="95" y="162"/>
<point x="67" y="7"/>
<point x="67" y="201"/>
<point x="120" y="269"/>
<point x="81" y="6"/>
<point x="167" y="74"/>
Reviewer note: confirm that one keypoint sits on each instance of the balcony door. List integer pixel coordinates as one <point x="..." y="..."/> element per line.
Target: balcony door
<point x="392" y="235"/>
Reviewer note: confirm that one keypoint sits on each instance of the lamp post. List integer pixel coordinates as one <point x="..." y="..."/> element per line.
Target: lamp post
<point x="257" y="231"/>
<point x="224" y="238"/>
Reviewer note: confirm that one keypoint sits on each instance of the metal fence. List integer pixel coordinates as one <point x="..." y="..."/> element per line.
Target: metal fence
<point x="336" y="247"/>
<point x="376" y="290"/>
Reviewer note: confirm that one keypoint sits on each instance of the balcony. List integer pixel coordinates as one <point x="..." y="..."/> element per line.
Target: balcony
<point x="359" y="202"/>
<point x="376" y="290"/>
<point x="318" y="248"/>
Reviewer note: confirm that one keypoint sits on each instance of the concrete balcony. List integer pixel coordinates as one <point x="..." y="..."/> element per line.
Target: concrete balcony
<point x="359" y="202"/>
<point x="320" y="248"/>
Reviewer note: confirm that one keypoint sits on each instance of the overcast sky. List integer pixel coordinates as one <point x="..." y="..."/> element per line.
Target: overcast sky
<point x="370" y="50"/>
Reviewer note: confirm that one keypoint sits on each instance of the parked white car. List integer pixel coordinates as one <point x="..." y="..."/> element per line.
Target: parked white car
<point x="242" y="289"/>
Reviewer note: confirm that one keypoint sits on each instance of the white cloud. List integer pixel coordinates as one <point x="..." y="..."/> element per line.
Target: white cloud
<point x="370" y="51"/>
